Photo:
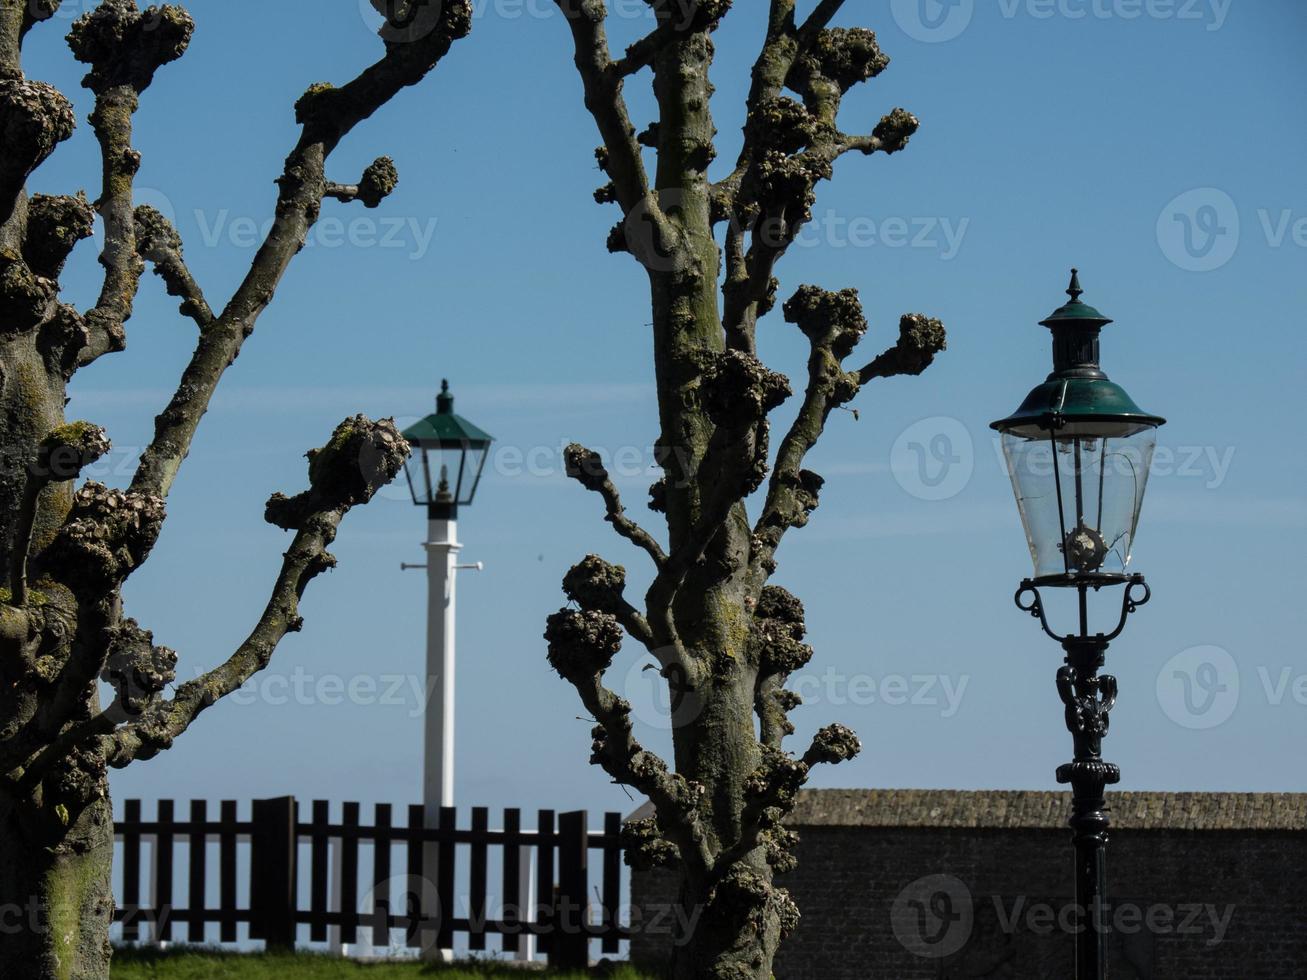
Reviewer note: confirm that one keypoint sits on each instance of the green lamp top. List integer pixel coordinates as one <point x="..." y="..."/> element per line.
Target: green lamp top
<point x="445" y="429"/>
<point x="1077" y="397"/>
<point x="1075" y="311"/>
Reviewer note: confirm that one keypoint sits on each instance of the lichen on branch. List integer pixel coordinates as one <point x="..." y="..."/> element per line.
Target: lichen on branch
<point x="157" y="242"/>
<point x="361" y="458"/>
<point x="378" y="182"/>
<point x="34" y="119"/>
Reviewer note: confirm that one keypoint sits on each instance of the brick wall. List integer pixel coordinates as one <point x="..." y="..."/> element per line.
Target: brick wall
<point x="1203" y="887"/>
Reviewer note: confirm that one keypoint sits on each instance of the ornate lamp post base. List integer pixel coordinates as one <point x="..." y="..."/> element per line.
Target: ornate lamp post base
<point x="1089" y="697"/>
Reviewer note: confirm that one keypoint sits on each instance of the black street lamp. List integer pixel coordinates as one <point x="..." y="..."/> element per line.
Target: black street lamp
<point x="1078" y="451"/>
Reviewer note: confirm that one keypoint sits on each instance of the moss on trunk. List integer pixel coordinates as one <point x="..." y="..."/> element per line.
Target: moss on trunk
<point x="57" y="896"/>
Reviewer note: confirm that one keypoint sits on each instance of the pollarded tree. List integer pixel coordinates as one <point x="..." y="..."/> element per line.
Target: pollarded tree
<point x="725" y="639"/>
<point x="65" y="554"/>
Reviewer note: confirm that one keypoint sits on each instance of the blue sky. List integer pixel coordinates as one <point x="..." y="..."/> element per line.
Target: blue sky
<point x="1156" y="145"/>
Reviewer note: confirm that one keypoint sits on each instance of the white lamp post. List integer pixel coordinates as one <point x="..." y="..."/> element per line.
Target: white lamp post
<point x="449" y="454"/>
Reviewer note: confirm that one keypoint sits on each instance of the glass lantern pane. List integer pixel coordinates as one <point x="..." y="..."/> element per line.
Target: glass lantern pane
<point x="1079" y="494"/>
<point x="458" y="465"/>
<point x="446" y="463"/>
<point x="415" y="471"/>
<point x="426" y="467"/>
<point x="474" y="460"/>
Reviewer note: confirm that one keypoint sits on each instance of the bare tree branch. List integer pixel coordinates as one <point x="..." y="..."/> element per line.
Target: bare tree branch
<point x="36" y="11"/>
<point x="107" y="535"/>
<point x="62" y="455"/>
<point x="55" y="224"/>
<point x="920" y="339"/>
<point x="361" y="457"/>
<point x="834" y="325"/>
<point x="789" y="148"/>
<point x="676" y="21"/>
<point x="603" y="97"/>
<point x="124" y="48"/>
<point x="775" y="784"/>
<point x="34" y="119"/>
<point x="377" y="183"/>
<point x="818" y="20"/>
<point x="327" y="114"/>
<point x="581" y="647"/>
<point x="588" y="469"/>
<point x="158" y="242"/>
<point x="597" y="586"/>
<point x="642" y="53"/>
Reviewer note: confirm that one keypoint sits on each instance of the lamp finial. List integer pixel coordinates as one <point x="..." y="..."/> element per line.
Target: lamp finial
<point x="1074" y="289"/>
<point x="444" y="400"/>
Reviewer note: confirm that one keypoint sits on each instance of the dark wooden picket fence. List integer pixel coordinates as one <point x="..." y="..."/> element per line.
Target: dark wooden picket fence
<point x="563" y="915"/>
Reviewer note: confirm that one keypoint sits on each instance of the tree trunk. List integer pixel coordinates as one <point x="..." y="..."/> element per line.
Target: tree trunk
<point x="732" y="936"/>
<point x="31" y="406"/>
<point x="732" y="917"/>
<point x="56" y="898"/>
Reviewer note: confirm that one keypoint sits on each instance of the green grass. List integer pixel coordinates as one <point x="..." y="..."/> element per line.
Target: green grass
<point x="201" y="964"/>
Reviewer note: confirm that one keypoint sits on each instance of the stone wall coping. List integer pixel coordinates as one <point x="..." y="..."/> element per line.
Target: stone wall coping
<point x="1041" y="810"/>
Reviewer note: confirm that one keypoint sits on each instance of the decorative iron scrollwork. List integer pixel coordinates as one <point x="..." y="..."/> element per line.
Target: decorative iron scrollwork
<point x="1130" y="602"/>
<point x="1034" y="606"/>
<point x="1029" y="600"/>
<point x="1088" y="701"/>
